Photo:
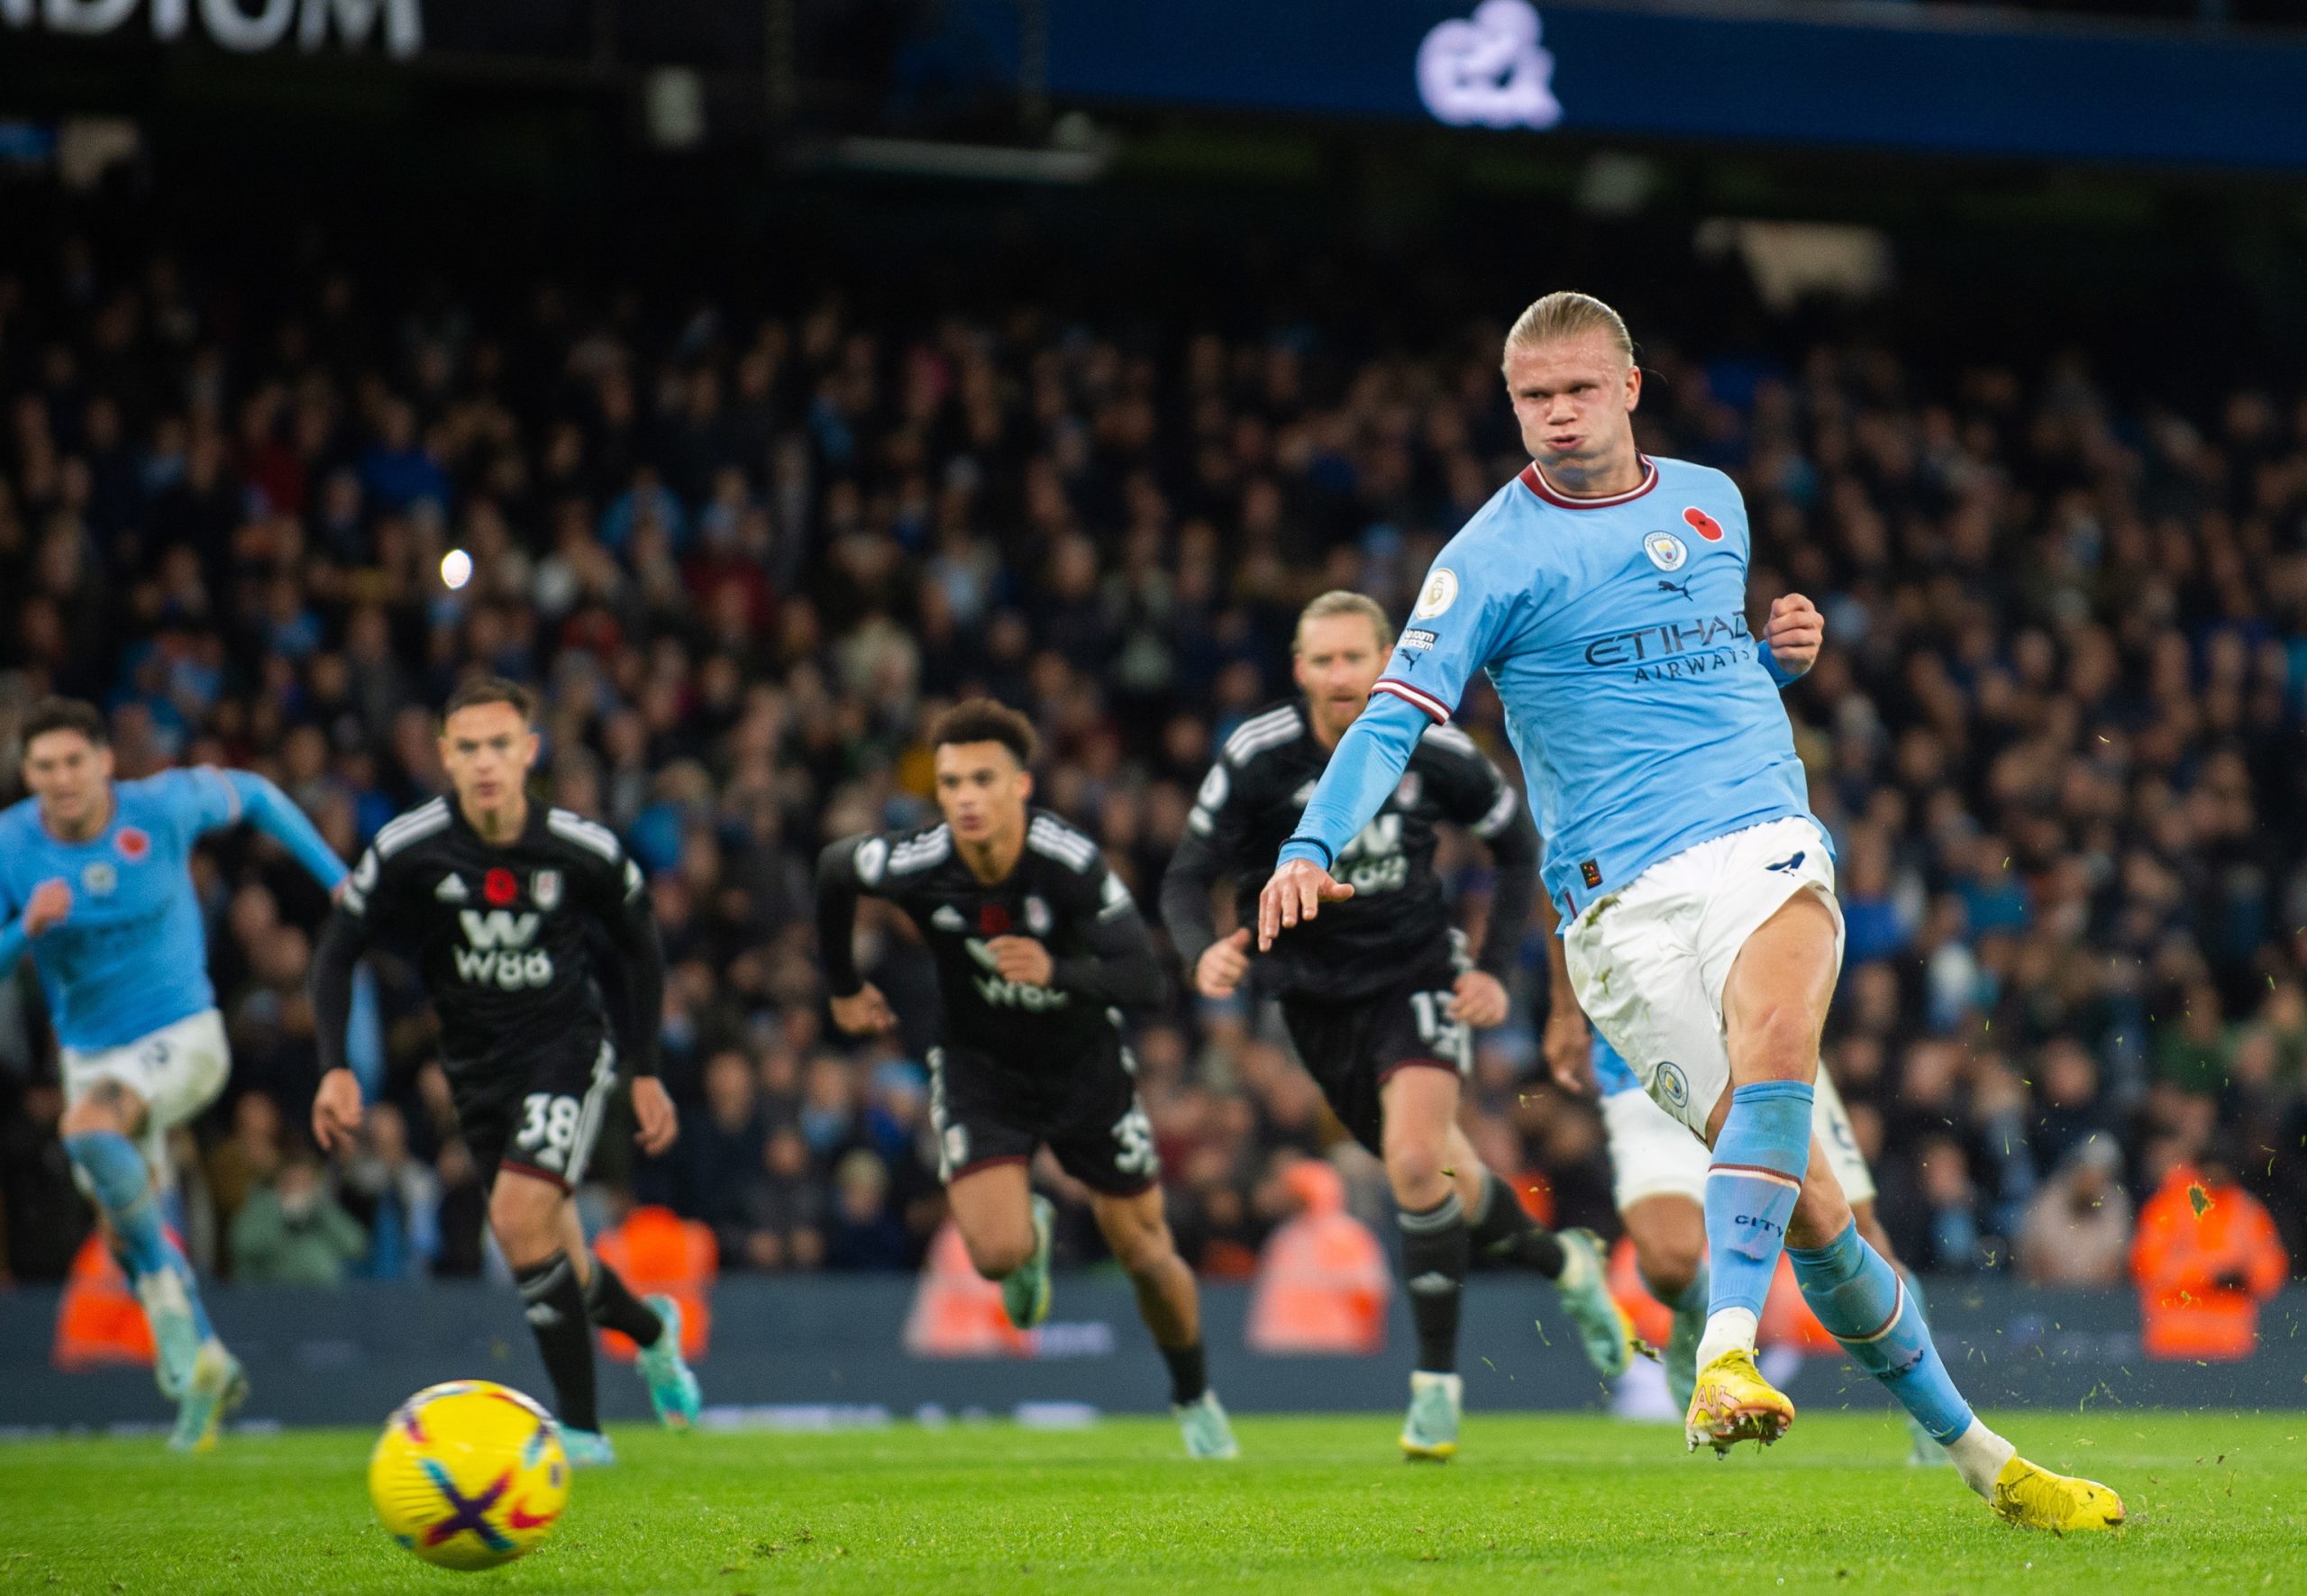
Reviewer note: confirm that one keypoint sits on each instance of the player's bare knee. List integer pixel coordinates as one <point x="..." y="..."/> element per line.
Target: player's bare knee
<point x="1415" y="1161"/>
<point x="1669" y="1236"/>
<point x="1668" y="1264"/>
<point x="1144" y="1251"/>
<point x="1779" y="1042"/>
<point x="524" y="1221"/>
<point x="998" y="1257"/>
<point x="107" y="1106"/>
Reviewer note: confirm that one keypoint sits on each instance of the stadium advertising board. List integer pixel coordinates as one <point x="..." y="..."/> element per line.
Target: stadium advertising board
<point x="1880" y="76"/>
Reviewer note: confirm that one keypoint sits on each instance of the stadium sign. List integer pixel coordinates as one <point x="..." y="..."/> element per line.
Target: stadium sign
<point x="1489" y="70"/>
<point x="242" y="26"/>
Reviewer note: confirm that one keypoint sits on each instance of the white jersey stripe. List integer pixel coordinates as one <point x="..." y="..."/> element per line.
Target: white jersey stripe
<point x="584" y="834"/>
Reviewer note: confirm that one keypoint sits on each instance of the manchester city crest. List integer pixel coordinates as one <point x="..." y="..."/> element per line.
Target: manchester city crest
<point x="1666" y="552"/>
<point x="1674" y="1086"/>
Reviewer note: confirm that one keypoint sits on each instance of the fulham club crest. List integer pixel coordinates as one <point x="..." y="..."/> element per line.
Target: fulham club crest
<point x="545" y="891"/>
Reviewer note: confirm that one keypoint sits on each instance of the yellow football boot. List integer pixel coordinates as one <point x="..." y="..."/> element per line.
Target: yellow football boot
<point x="1733" y="1402"/>
<point x="2034" y="1498"/>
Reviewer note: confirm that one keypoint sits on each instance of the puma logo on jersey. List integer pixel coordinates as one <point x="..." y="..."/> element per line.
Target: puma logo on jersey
<point x="1787" y="867"/>
<point x="1002" y="993"/>
<point x="498" y="953"/>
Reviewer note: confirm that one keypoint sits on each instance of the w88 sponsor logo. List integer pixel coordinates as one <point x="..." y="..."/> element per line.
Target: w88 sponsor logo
<point x="1373" y="862"/>
<point x="499" y="954"/>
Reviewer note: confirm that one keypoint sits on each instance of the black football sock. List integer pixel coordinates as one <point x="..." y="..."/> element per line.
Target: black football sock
<point x="1188" y="1373"/>
<point x="1503" y="1229"/>
<point x="556" y="1313"/>
<point x="1433" y="1261"/>
<point x="610" y="1303"/>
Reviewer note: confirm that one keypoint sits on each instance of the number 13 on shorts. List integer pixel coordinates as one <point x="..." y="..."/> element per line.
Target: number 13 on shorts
<point x="1438" y="1031"/>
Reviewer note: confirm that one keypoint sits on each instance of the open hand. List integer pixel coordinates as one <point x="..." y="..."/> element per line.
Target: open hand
<point x="336" y="1110"/>
<point x="1297" y="892"/>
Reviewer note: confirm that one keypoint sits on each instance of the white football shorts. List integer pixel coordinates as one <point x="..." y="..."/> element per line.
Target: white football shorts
<point x="177" y="1070"/>
<point x="1649" y="961"/>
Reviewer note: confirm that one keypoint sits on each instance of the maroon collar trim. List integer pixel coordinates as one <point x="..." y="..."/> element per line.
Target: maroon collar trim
<point x="1535" y="481"/>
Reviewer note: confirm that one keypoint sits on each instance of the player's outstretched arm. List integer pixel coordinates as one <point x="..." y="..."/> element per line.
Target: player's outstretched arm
<point x="1369" y="761"/>
<point x="272" y="812"/>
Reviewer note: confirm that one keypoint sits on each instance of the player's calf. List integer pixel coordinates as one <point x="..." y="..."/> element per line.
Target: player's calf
<point x="108" y="1165"/>
<point x="524" y="1211"/>
<point x="1137" y="1232"/>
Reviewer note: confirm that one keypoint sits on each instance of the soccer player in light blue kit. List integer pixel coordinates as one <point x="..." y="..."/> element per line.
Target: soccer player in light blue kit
<point x="1605" y="595"/>
<point x="94" y="883"/>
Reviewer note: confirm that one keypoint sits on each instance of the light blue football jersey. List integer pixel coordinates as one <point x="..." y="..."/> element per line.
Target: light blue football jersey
<point x="133" y="954"/>
<point x="1646" y="713"/>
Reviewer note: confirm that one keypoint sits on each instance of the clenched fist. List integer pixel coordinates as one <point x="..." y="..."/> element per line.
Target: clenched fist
<point x="1794" y="632"/>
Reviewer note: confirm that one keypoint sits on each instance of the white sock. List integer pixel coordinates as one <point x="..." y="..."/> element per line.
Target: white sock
<point x="1979" y="1454"/>
<point x="1729" y="1330"/>
<point x="1576" y="1263"/>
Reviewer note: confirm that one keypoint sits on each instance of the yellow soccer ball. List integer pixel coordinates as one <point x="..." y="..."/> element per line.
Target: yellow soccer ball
<point x="469" y="1474"/>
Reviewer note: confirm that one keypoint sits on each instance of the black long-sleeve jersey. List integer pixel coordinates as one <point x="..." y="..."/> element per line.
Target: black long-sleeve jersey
<point x="511" y="941"/>
<point x="1398" y="916"/>
<point x="1059" y="893"/>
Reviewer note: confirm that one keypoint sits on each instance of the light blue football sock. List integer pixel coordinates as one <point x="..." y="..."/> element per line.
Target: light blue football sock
<point x="1750" y="1191"/>
<point x="123" y="1187"/>
<point x="1865" y="1305"/>
<point x="116" y="1175"/>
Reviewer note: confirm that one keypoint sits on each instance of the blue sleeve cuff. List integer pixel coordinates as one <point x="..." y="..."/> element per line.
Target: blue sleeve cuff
<point x="269" y="810"/>
<point x="1312" y="848"/>
<point x="1778" y="673"/>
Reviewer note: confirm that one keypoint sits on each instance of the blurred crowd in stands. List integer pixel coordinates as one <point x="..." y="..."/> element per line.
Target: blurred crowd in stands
<point x="2056" y="731"/>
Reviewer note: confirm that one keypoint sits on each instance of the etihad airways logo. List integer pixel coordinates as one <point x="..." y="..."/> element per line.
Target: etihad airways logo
<point x="1695" y="647"/>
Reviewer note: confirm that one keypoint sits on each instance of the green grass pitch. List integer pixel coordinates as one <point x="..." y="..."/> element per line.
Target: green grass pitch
<point x="2217" y="1503"/>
